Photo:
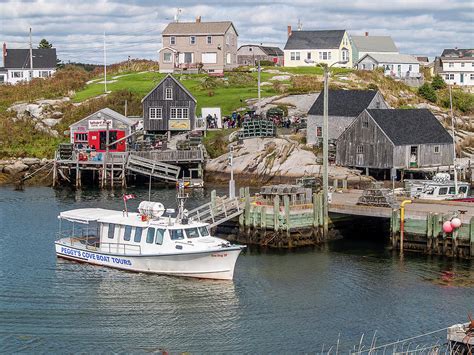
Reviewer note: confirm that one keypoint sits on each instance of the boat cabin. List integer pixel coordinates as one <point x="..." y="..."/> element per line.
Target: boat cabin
<point x="91" y="132"/>
<point x="116" y="232"/>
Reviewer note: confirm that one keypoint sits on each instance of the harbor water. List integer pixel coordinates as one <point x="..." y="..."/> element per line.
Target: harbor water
<point x="278" y="302"/>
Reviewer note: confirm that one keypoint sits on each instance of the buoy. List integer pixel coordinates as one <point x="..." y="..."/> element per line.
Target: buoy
<point x="456" y="223"/>
<point x="447" y="227"/>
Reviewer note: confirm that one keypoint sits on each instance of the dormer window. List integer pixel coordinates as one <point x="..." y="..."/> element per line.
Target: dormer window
<point x="172" y="40"/>
<point x="168" y="93"/>
<point x="192" y="40"/>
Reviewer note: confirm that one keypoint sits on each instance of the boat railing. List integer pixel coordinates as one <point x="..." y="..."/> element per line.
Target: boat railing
<point x="121" y="247"/>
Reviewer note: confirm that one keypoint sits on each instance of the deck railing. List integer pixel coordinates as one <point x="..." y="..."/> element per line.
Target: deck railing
<point x="172" y="155"/>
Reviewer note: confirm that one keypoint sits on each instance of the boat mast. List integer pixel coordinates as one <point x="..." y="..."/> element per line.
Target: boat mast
<point x="454" y="143"/>
<point x="182" y="197"/>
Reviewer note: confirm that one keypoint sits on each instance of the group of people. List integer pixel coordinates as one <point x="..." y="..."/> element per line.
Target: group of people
<point x="211" y="121"/>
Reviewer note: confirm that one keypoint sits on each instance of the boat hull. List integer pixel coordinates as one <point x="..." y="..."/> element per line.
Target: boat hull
<point x="212" y="264"/>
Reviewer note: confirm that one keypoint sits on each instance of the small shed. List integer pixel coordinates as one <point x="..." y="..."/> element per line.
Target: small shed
<point x="401" y="139"/>
<point x="92" y="130"/>
<point x="169" y="107"/>
<point x="344" y="107"/>
<point x="250" y="54"/>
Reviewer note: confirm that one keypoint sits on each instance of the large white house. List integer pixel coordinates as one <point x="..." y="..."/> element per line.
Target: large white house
<point x="16" y="64"/>
<point x="362" y="45"/>
<point x="456" y="66"/>
<point x="307" y="48"/>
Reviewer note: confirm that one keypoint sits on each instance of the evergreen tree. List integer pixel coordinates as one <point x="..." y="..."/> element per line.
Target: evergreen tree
<point x="427" y="92"/>
<point x="45" y="44"/>
<point x="438" y="82"/>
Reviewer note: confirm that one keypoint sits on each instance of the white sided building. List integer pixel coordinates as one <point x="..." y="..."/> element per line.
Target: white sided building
<point x="456" y="66"/>
<point x="399" y="66"/>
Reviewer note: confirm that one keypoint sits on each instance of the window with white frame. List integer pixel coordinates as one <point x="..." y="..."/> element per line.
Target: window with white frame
<point x="345" y="55"/>
<point x="436" y="149"/>
<point x="451" y="65"/>
<point x="295" y="55"/>
<point x="462" y="65"/>
<point x="156" y="113"/>
<point x="449" y="76"/>
<point x="17" y="74"/>
<point x="209" y="39"/>
<point x="80" y="137"/>
<point x="324" y="55"/>
<point x="167" y="57"/>
<point x="360" y="149"/>
<point x="179" y="113"/>
<point x="308" y="55"/>
<point x="472" y="76"/>
<point x="192" y="40"/>
<point x="168" y="93"/>
<point x="172" y="40"/>
<point x="44" y="74"/>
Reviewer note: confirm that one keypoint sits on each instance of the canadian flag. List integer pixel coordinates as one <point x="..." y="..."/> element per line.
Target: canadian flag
<point x="128" y="197"/>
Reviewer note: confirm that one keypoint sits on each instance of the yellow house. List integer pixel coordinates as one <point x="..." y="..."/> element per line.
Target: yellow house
<point x="307" y="48"/>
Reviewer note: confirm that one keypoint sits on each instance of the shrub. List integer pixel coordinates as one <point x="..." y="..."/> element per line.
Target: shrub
<point x="462" y="101"/>
<point x="305" y="83"/>
<point x="372" y="86"/>
<point x="267" y="63"/>
<point x="438" y="82"/>
<point x="426" y="91"/>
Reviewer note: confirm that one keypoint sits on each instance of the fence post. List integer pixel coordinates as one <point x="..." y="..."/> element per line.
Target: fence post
<point x="276" y="213"/>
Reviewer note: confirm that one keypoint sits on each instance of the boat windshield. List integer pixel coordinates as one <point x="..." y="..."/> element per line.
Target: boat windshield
<point x="176" y="234"/>
<point x="192" y="233"/>
<point x="204" y="231"/>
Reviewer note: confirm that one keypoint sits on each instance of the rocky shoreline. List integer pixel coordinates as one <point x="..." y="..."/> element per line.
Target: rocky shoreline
<point x="14" y="169"/>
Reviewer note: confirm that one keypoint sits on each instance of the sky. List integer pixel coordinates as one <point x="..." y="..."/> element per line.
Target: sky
<point x="133" y="28"/>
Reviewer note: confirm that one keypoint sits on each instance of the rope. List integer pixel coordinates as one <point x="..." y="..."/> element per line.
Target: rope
<point x="403" y="340"/>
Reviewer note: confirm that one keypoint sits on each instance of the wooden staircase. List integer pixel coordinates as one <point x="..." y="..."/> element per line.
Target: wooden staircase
<point x="220" y="211"/>
<point x="154" y="168"/>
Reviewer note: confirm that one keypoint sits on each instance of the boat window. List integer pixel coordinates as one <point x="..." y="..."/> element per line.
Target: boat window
<point x="192" y="233"/>
<point x="150" y="236"/>
<point x="430" y="190"/>
<point x="159" y="236"/>
<point x="176" y="234"/>
<point x="463" y="189"/>
<point x="138" y="235"/>
<point x="127" y="233"/>
<point x="204" y="232"/>
<point x="111" y="231"/>
<point x="443" y="191"/>
<point x="452" y="190"/>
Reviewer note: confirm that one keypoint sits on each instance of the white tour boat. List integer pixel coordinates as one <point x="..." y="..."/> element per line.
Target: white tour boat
<point x="439" y="188"/>
<point x="146" y="242"/>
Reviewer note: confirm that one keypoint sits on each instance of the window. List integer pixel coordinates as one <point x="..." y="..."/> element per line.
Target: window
<point x="462" y="65"/>
<point x="204" y="232"/>
<point x="179" y="113"/>
<point x="472" y="76"/>
<point x="192" y="40"/>
<point x="451" y="65"/>
<point x="80" y="137"/>
<point x="449" y="76"/>
<point x="399" y="68"/>
<point x="209" y="39"/>
<point x="365" y="123"/>
<point x="138" y="235"/>
<point x="345" y="56"/>
<point x="443" y="191"/>
<point x="308" y="55"/>
<point x="176" y="234"/>
<point x="462" y="189"/>
<point x="17" y="74"/>
<point x="324" y="55"/>
<point x="227" y="39"/>
<point x="168" y="93"/>
<point x="111" y="231"/>
<point x="172" y="40"/>
<point x="319" y="131"/>
<point x="250" y="49"/>
<point x="156" y="113"/>
<point x="452" y="190"/>
<point x="295" y="55"/>
<point x="44" y="74"/>
<point x="228" y="58"/>
<point x="410" y="67"/>
<point x="360" y="149"/>
<point x="209" y="58"/>
<point x="436" y="149"/>
<point x="192" y="233"/>
<point x="159" y="236"/>
<point x="127" y="233"/>
<point x="150" y="235"/>
<point x="166" y="57"/>
<point x="2" y="78"/>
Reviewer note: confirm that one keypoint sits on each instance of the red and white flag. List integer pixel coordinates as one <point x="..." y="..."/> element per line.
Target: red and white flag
<point x="128" y="197"/>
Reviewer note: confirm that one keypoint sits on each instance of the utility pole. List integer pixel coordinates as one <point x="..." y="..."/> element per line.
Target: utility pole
<point x="325" y="154"/>
<point x="31" y="57"/>
<point x="259" y="93"/>
<point x="454" y="142"/>
<point x="231" y="182"/>
<point x="126" y="108"/>
<point x="105" y="67"/>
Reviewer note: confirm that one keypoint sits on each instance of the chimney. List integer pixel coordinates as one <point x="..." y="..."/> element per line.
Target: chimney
<point x="366" y="34"/>
<point x="4" y="52"/>
<point x="198" y="19"/>
<point x="289" y="30"/>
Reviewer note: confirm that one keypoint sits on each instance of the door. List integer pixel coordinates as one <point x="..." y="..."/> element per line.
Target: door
<point x="94" y="140"/>
<point x="461" y="78"/>
<point x="122" y="145"/>
<point x="413" y="156"/>
<point x="103" y="139"/>
<point x="188" y="57"/>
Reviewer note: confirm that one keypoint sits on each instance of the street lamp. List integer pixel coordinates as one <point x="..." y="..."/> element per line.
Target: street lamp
<point x="326" y="69"/>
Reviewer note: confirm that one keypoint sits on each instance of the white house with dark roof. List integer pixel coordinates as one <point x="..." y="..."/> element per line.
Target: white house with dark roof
<point x="362" y="45"/>
<point x="210" y="46"/>
<point x="456" y="66"/>
<point x="344" y="107"/>
<point x="394" y="65"/>
<point x="307" y="48"/>
<point x="401" y="139"/>
<point x="16" y="64"/>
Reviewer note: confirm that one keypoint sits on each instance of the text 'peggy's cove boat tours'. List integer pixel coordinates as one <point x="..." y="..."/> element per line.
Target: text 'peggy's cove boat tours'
<point x="146" y="241"/>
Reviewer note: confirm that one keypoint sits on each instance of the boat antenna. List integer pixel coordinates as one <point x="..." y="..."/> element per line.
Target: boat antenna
<point x="454" y="142"/>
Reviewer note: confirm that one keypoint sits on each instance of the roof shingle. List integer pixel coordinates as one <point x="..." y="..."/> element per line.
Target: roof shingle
<point x="197" y="28"/>
<point x="346" y="103"/>
<point x="374" y="43"/>
<point x="43" y="58"/>
<point x="327" y="39"/>
<point x="415" y="126"/>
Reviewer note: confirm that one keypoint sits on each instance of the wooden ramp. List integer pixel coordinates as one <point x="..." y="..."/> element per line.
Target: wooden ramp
<point x="220" y="211"/>
<point x="154" y="168"/>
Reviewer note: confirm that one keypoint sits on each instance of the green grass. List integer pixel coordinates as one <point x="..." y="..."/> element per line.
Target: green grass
<point x="227" y="98"/>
